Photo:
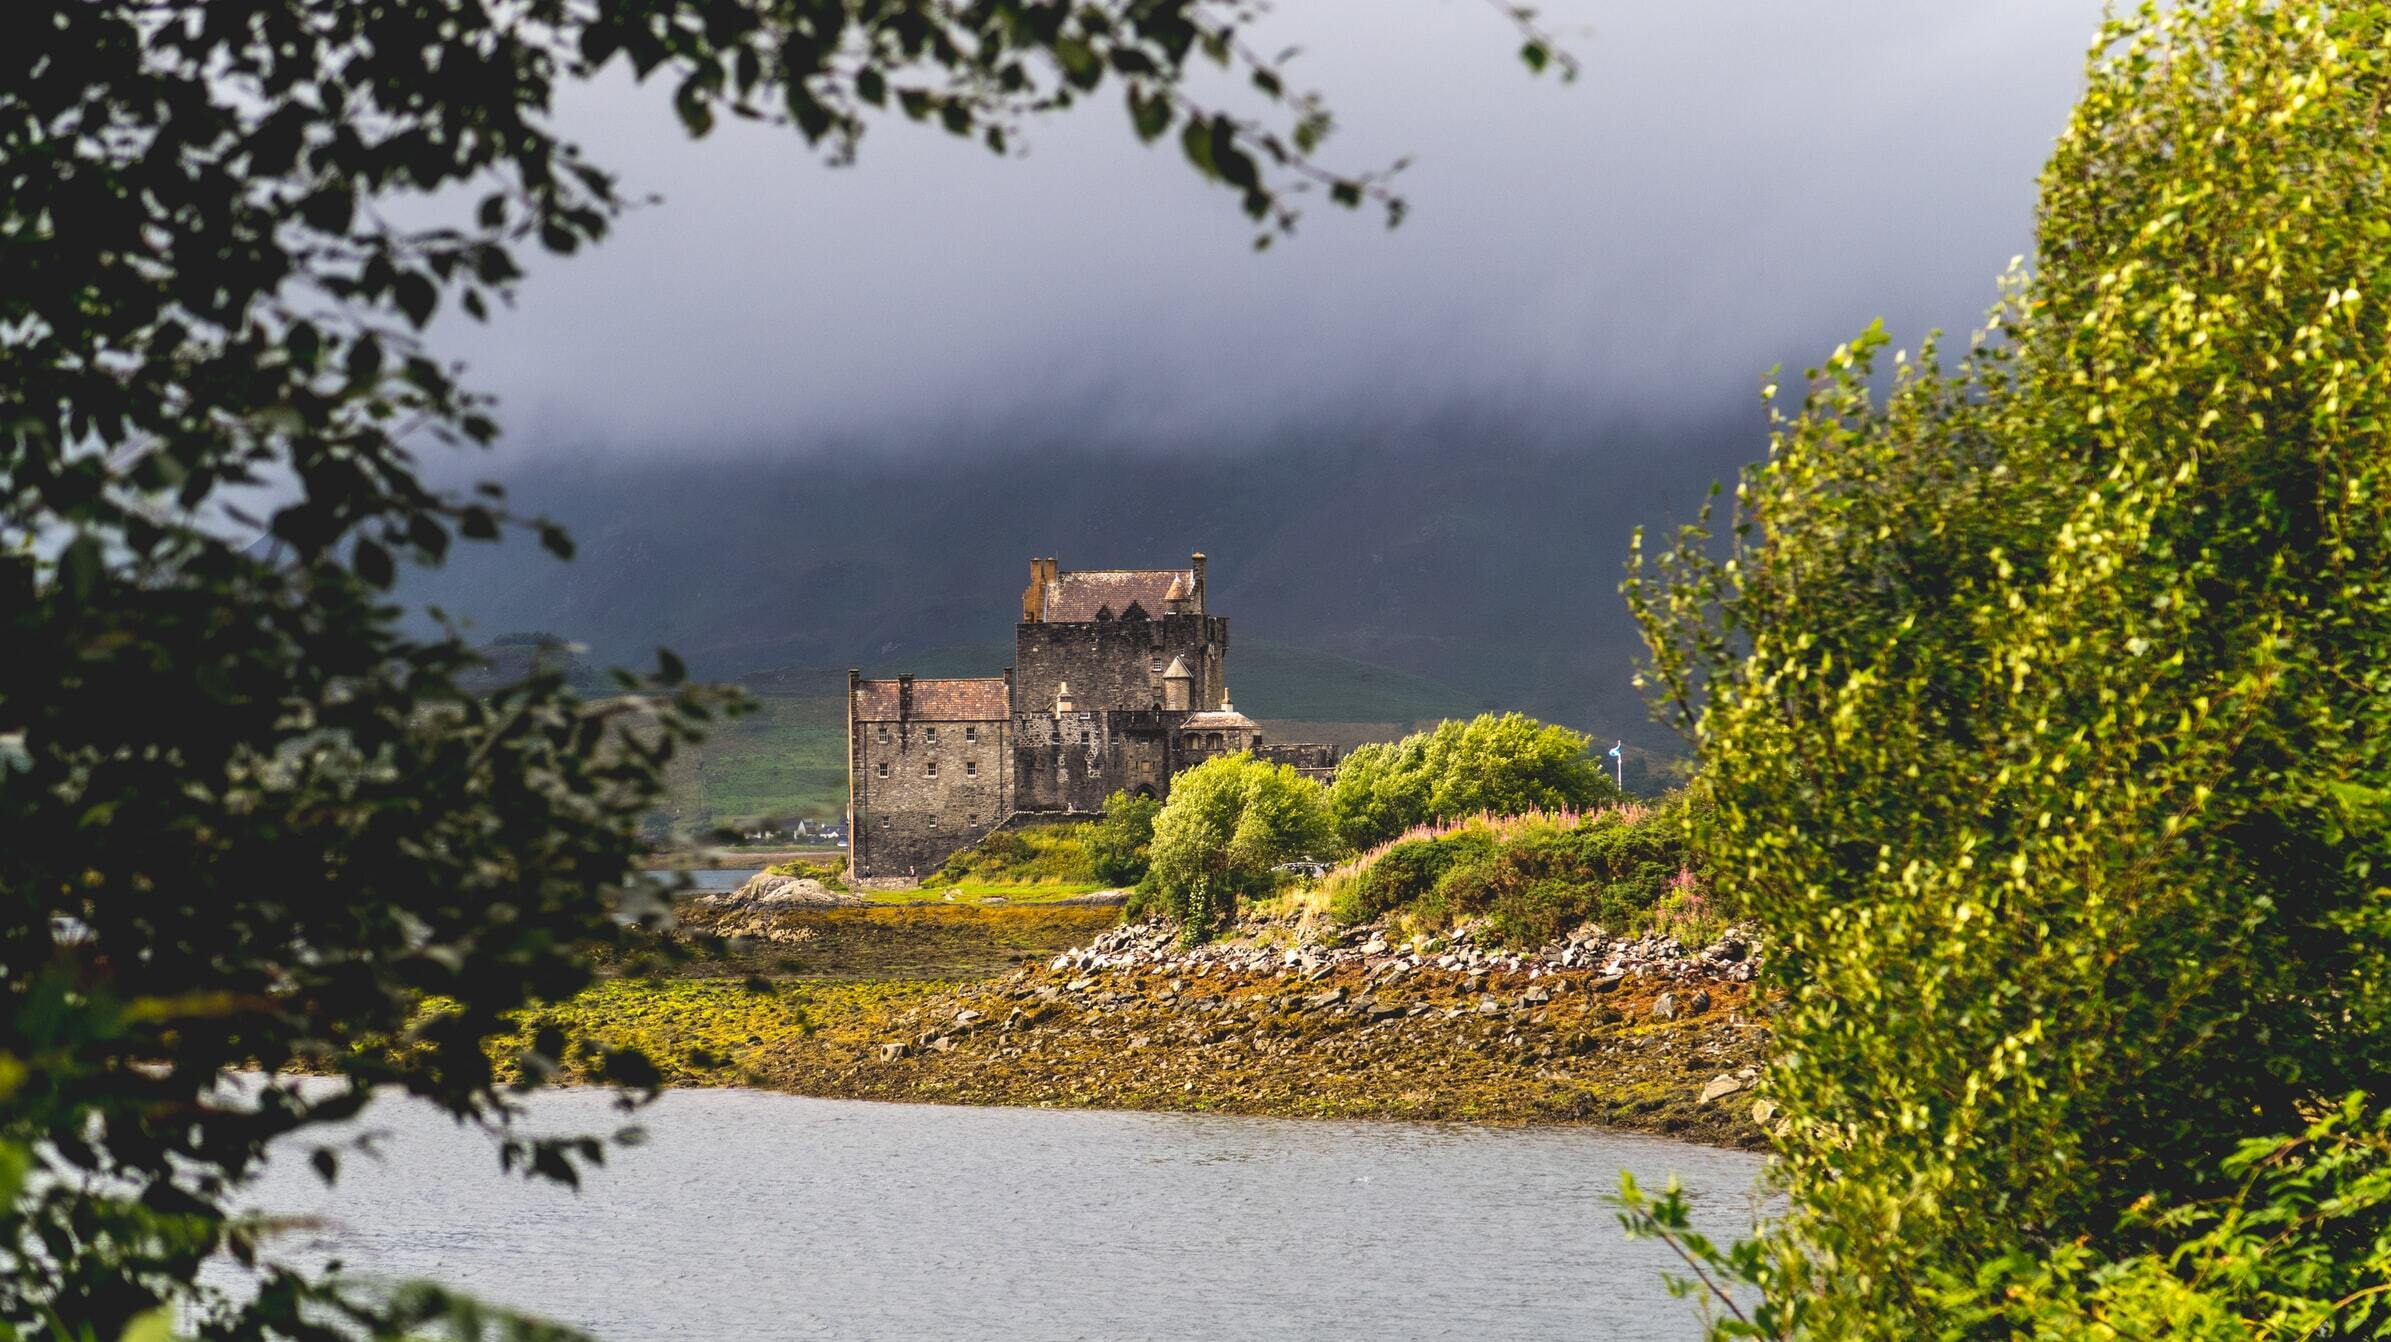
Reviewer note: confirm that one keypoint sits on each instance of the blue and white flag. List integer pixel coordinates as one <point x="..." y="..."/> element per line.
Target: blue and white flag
<point x="1613" y="752"/>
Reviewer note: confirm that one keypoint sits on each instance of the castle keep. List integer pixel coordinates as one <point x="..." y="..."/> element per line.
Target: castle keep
<point x="1119" y="681"/>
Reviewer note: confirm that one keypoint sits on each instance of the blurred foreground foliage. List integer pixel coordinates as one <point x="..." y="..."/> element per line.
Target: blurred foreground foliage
<point x="2044" y="706"/>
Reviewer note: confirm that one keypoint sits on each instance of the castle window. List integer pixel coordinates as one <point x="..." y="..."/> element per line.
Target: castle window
<point x="1154" y="666"/>
<point x="884" y="768"/>
<point x="930" y="770"/>
<point x="933" y="822"/>
<point x="971" y="733"/>
<point x="930" y="735"/>
<point x="971" y="768"/>
<point x="1095" y="765"/>
<point x="884" y="733"/>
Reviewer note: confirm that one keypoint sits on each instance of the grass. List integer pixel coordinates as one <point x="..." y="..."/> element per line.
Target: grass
<point x="1031" y="864"/>
<point x="786" y="760"/>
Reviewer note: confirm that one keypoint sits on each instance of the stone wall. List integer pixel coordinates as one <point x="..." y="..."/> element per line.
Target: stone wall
<point x="1116" y="664"/>
<point x="1071" y="762"/>
<point x="921" y="788"/>
<point x="1310" y="758"/>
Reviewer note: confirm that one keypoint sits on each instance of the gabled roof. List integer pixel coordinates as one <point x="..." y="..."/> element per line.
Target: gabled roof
<point x="1218" y="720"/>
<point x="1074" y="597"/>
<point x="981" y="699"/>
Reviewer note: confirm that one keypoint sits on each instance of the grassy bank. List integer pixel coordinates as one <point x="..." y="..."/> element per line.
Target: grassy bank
<point x="901" y="942"/>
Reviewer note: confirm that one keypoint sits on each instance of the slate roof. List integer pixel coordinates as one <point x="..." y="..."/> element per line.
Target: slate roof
<point x="1217" y="721"/>
<point x="976" y="700"/>
<point x="1078" y="596"/>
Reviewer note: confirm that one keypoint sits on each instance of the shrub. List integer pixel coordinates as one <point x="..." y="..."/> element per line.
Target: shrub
<point x="1119" y="844"/>
<point x="1496" y="764"/>
<point x="1228" y="822"/>
<point x="1533" y="877"/>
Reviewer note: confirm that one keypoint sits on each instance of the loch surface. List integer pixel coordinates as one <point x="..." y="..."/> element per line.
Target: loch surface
<point x="749" y="1215"/>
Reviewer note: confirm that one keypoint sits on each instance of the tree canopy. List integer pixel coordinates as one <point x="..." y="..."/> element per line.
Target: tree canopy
<point x="1499" y="764"/>
<point x="254" y="821"/>
<point x="2042" y="703"/>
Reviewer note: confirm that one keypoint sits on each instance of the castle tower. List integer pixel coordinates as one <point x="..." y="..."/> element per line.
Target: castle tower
<point x="1178" y="687"/>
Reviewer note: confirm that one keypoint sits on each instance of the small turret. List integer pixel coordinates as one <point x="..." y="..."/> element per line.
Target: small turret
<point x="1175" y="600"/>
<point x="1178" y="687"/>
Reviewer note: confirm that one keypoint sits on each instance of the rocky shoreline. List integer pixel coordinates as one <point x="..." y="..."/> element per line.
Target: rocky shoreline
<point x="1643" y="1034"/>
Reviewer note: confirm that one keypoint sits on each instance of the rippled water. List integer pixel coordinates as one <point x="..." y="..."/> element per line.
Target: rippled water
<point x="759" y="1216"/>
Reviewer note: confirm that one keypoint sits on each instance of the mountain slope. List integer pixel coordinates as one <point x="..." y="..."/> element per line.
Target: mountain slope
<point x="1379" y="582"/>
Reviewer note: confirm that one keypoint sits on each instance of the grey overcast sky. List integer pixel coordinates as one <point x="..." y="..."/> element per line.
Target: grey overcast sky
<point x="1730" y="184"/>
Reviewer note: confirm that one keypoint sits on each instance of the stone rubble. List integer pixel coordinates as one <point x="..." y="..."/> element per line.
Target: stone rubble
<point x="1622" y="1030"/>
<point x="1731" y="959"/>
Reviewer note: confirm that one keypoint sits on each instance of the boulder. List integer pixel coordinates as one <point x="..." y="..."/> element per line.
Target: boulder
<point x="1721" y="1087"/>
<point x="1664" y="1007"/>
<point x="767" y="891"/>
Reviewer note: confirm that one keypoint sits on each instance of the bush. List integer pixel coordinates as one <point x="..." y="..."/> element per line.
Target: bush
<point x="1119" y="844"/>
<point x="1532" y="878"/>
<point x="1496" y="764"/>
<point x="1228" y="822"/>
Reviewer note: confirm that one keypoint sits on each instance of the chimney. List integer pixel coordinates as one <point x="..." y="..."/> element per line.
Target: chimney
<point x="904" y="697"/>
<point x="1198" y="565"/>
<point x="1033" y="597"/>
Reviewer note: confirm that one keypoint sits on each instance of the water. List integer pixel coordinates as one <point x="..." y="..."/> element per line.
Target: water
<point x="751" y="1215"/>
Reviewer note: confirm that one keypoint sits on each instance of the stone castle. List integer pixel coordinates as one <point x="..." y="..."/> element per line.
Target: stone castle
<point x="1119" y="681"/>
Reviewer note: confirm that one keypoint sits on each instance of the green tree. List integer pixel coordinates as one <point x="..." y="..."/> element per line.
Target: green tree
<point x="1228" y="822"/>
<point x="1498" y="764"/>
<point x="251" y="819"/>
<point x="2043" y="708"/>
<point x="1119" y="844"/>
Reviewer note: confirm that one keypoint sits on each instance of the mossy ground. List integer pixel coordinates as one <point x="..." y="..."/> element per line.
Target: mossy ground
<point x="1252" y="1045"/>
<point x="898" y="942"/>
